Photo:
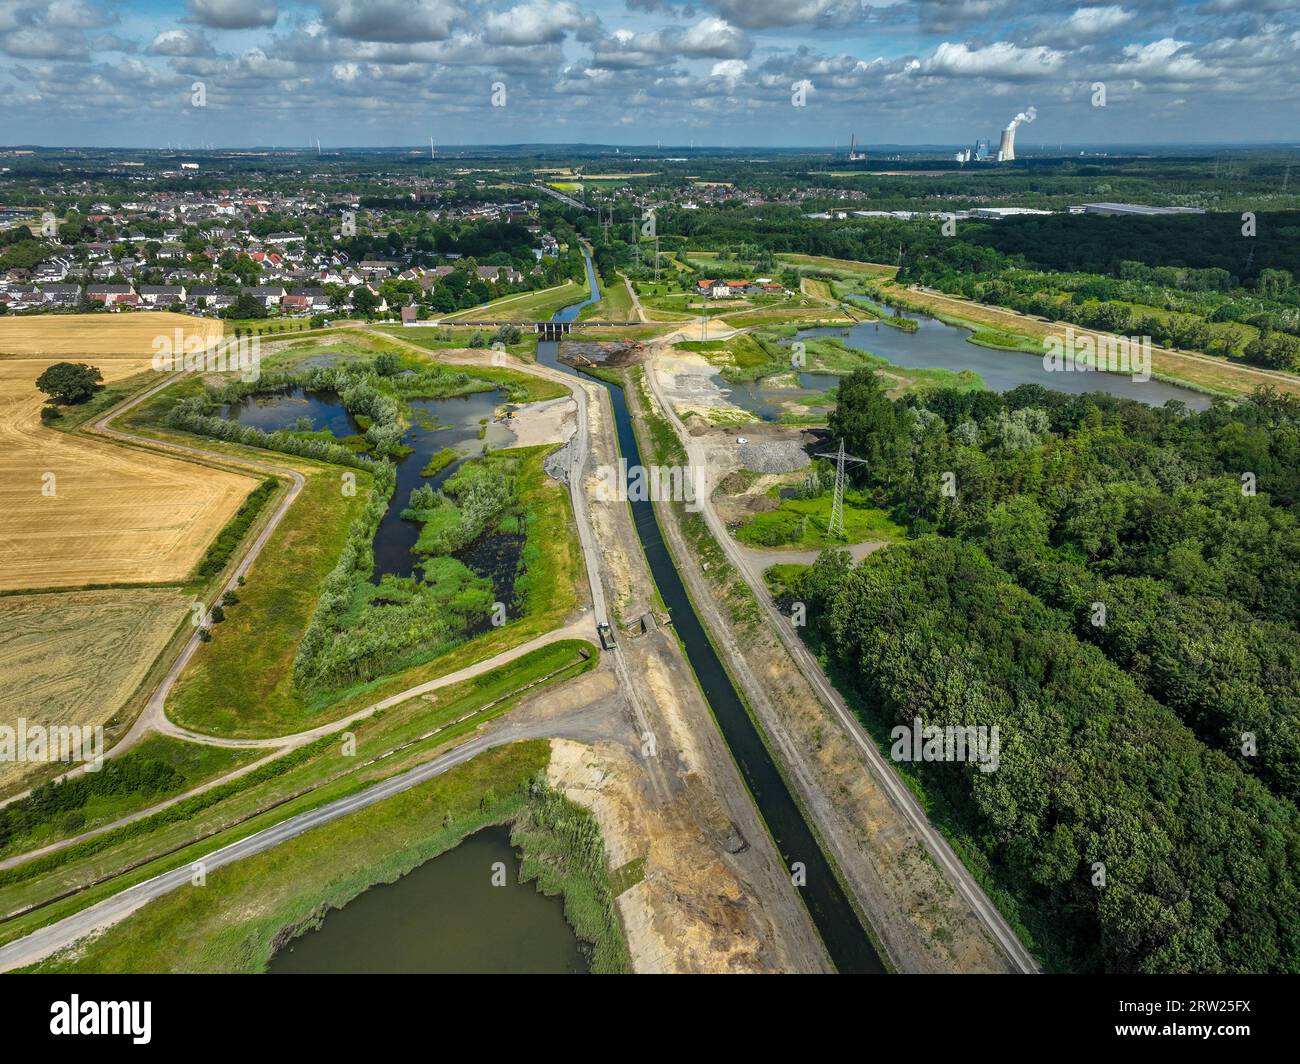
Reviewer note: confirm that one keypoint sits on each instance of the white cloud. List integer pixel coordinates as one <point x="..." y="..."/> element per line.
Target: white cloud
<point x="35" y="42"/>
<point x="77" y="15"/>
<point x="538" y="22"/>
<point x="1089" y="21"/>
<point x="180" y="42"/>
<point x="232" y="14"/>
<point x="393" y="21"/>
<point x="765" y="14"/>
<point x="999" y="60"/>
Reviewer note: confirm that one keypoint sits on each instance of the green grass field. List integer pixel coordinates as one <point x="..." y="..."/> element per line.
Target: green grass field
<point x="615" y="304"/>
<point x="398" y="738"/>
<point x="800" y="524"/>
<point x="527" y="306"/>
<point x="193" y="764"/>
<point x="241" y="683"/>
<point x="244" y="912"/>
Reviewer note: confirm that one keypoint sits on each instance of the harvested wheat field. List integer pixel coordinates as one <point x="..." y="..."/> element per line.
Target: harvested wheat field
<point x="88" y="335"/>
<point x="74" y="657"/>
<point x="115" y="515"/>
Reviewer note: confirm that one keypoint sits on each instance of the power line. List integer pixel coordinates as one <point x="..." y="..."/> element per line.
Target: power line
<point x="836" y="525"/>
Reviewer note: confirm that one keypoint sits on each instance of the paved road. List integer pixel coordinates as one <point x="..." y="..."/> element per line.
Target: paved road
<point x="41" y="943"/>
<point x="583" y="392"/>
<point x="283" y="744"/>
<point x="883" y="772"/>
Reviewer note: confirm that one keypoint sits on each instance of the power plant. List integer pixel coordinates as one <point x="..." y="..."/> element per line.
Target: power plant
<point x="1007" y="148"/>
<point x="1006" y="152"/>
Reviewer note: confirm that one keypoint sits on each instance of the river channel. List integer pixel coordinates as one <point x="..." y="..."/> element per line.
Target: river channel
<point x="847" y="942"/>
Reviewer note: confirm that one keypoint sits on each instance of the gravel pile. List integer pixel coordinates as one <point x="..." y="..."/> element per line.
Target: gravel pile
<point x="773" y="456"/>
<point x="556" y="463"/>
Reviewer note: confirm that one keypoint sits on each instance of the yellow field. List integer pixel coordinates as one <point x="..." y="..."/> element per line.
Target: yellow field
<point x="88" y="335"/>
<point x="116" y="515"/>
<point x="75" y="657"/>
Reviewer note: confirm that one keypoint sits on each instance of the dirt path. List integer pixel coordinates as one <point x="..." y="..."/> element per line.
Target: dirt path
<point x="879" y="835"/>
<point x="714" y="895"/>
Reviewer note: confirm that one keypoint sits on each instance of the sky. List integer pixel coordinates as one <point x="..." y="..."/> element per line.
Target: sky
<point x="798" y="73"/>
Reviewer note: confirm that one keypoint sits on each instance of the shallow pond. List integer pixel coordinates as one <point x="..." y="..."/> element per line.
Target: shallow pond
<point x="935" y="344"/>
<point x="444" y="917"/>
<point x="435" y="424"/>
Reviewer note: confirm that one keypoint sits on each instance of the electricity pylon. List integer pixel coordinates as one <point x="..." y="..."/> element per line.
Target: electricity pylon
<point x="836" y="525"/>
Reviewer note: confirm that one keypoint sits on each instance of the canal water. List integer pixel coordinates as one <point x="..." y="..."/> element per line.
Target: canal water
<point x="845" y="938"/>
<point x="444" y="917"/>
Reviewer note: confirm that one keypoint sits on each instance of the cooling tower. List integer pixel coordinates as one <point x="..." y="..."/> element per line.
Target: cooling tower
<point x="1007" y="148"/>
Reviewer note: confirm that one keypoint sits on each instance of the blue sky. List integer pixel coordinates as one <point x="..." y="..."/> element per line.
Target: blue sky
<point x="724" y="72"/>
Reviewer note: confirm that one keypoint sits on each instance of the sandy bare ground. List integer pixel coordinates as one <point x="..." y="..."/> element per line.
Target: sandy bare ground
<point x="115" y="516"/>
<point x="550" y="421"/>
<point x="924" y="920"/>
<point x="690" y="382"/>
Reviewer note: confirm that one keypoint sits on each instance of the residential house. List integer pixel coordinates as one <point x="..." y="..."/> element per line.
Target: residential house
<point x="269" y="294"/>
<point x="497" y="273"/>
<point x="62" y="295"/>
<point x="112" y="295"/>
<point x="162" y="295"/>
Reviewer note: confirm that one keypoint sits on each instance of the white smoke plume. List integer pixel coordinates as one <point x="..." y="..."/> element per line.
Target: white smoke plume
<point x="1024" y="116"/>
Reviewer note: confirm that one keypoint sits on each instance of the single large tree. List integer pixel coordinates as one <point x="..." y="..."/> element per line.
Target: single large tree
<point x="70" y="382"/>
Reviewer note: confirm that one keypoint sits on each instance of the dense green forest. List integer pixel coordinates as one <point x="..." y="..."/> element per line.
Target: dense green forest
<point x="1117" y="588"/>
<point x="1099" y="244"/>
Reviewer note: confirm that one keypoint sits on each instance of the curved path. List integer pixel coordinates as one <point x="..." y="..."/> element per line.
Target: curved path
<point x="46" y="940"/>
<point x="284" y="744"/>
<point x="883" y="772"/>
<point x="154" y="720"/>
